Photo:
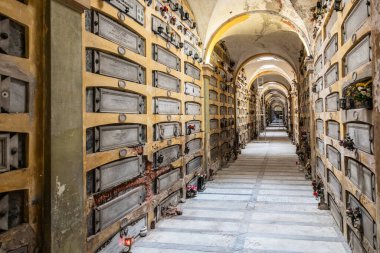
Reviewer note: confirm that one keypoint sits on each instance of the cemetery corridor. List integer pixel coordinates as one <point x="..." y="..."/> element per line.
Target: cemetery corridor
<point x="260" y="203"/>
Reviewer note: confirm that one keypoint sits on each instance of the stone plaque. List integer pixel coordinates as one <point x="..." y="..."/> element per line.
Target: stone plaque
<point x="193" y="146"/>
<point x="132" y="8"/>
<point x="214" y="124"/>
<point x="332" y="75"/>
<point x="214" y="154"/>
<point x="230" y="100"/>
<point x="362" y="136"/>
<point x="320" y="128"/>
<point x="331" y="48"/>
<point x="335" y="211"/>
<point x="166" y="57"/>
<point x="192" y="89"/>
<point x="105" y="138"/>
<point x="333" y="129"/>
<point x="132" y="230"/>
<point x="318" y="66"/>
<point x="332" y="102"/>
<point x="334" y="156"/>
<point x="115" y="173"/>
<point x="359" y="55"/>
<point x="192" y="71"/>
<point x="223" y="122"/>
<point x="223" y="110"/>
<point x="164" y="30"/>
<point x="14" y="95"/>
<point x="362" y="177"/>
<point x="193" y="126"/>
<point x="320" y="167"/>
<point x="190" y="50"/>
<point x="332" y="20"/>
<point x="194" y="164"/>
<point x="319" y="84"/>
<point x="112" y="101"/>
<point x="223" y="98"/>
<point x="12" y="151"/>
<point x="115" y="32"/>
<point x="167" y="180"/>
<point x="321" y="146"/>
<point x="109" y="65"/>
<point x="222" y="73"/>
<point x="12" y="207"/>
<point x="166" y="156"/>
<point x="230" y="111"/>
<point x="319" y="105"/>
<point x="225" y="148"/>
<point x="192" y="108"/>
<point x="358" y="16"/>
<point x="224" y="135"/>
<point x="167" y="106"/>
<point x="354" y="242"/>
<point x="335" y="185"/>
<point x="213" y="95"/>
<point x="318" y="43"/>
<point x="172" y="200"/>
<point x="367" y="222"/>
<point x="13" y="37"/>
<point x="112" y="211"/>
<point x="214" y="140"/>
<point x="163" y="131"/>
<point x="213" y="110"/>
<point x="166" y="81"/>
<point x="213" y="81"/>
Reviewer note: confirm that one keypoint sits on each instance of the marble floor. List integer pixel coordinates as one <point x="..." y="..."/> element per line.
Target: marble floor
<point x="260" y="203"/>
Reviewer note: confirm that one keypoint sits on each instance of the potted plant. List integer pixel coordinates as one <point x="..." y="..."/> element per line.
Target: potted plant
<point x="347" y="143"/>
<point x="191" y="191"/>
<point x="359" y="95"/>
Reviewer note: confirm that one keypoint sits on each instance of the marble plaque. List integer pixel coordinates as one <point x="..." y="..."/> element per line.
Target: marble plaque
<point x="214" y="124"/>
<point x="213" y="109"/>
<point x="213" y="81"/>
<point x="163" y="131"/>
<point x="358" y="16"/>
<point x="318" y="66"/>
<point x="331" y="48"/>
<point x="333" y="129"/>
<point x="320" y="167"/>
<point x="214" y="139"/>
<point x="192" y="89"/>
<point x="112" y="211"/>
<point x="319" y="105"/>
<point x="194" y="146"/>
<point x="132" y="8"/>
<point x="223" y="98"/>
<point x="112" y="101"/>
<point x="167" y="180"/>
<point x="223" y="110"/>
<point x="164" y="30"/>
<point x="359" y="55"/>
<point x="194" y="164"/>
<point x="331" y="76"/>
<point x="172" y="200"/>
<point x="13" y="37"/>
<point x="335" y="211"/>
<point x="335" y="185"/>
<point x="166" y="81"/>
<point x="214" y="154"/>
<point x="320" y="126"/>
<point x="193" y="126"/>
<point x="321" y="146"/>
<point x="362" y="136"/>
<point x="192" y="71"/>
<point x="166" y="156"/>
<point x="113" y="137"/>
<point x="115" y="32"/>
<point x="109" y="65"/>
<point x="192" y="108"/>
<point x="115" y="173"/>
<point x="167" y="106"/>
<point x="334" y="156"/>
<point x="213" y="95"/>
<point x="14" y="95"/>
<point x="362" y="177"/>
<point x="332" y="102"/>
<point x="166" y="58"/>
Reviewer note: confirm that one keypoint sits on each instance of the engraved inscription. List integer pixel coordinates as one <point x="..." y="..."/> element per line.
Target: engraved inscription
<point x="166" y="58"/>
<point x="166" y="106"/>
<point x="192" y="71"/>
<point x="165" y="81"/>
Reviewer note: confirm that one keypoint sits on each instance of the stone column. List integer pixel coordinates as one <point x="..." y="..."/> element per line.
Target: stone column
<point x="63" y="214"/>
<point x="376" y="93"/>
